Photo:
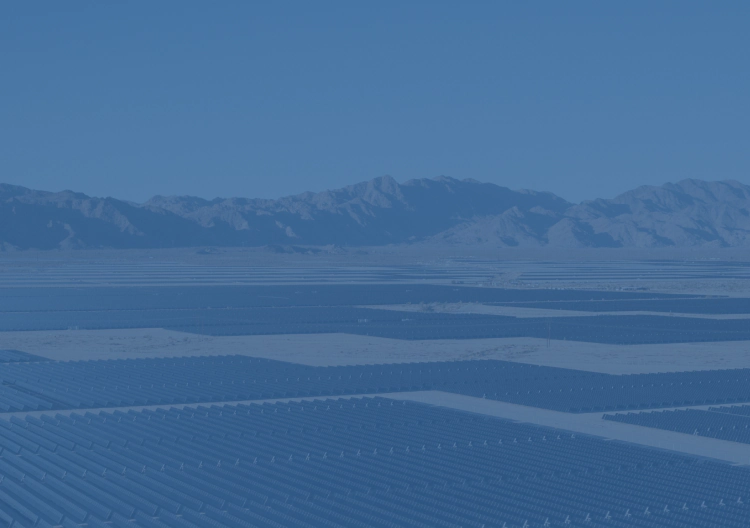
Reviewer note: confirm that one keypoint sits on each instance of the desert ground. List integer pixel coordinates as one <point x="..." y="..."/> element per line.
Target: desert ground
<point x="345" y="349"/>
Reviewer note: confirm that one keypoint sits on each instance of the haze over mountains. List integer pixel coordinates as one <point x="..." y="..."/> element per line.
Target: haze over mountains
<point x="440" y="211"/>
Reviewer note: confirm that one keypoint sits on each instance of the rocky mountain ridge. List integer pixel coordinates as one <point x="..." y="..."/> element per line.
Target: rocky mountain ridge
<point x="439" y="211"/>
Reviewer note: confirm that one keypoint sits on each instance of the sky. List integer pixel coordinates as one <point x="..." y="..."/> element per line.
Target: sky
<point x="266" y="99"/>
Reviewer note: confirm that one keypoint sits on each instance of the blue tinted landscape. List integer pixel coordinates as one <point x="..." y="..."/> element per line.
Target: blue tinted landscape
<point x="392" y="264"/>
<point x="252" y="389"/>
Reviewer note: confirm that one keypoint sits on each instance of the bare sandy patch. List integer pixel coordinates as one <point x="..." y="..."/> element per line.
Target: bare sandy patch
<point x="345" y="349"/>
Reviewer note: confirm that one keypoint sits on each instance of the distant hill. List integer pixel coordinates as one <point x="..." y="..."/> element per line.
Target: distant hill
<point x="440" y="211"/>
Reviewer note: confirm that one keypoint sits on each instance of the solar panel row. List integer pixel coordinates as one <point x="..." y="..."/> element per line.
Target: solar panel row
<point x="724" y="423"/>
<point x="16" y="356"/>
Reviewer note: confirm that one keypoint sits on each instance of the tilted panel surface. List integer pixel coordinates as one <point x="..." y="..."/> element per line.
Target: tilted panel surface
<point x="724" y="423"/>
<point x="712" y="305"/>
<point x="171" y="381"/>
<point x="16" y="356"/>
<point x="392" y="324"/>
<point x="45" y="299"/>
<point x="346" y="463"/>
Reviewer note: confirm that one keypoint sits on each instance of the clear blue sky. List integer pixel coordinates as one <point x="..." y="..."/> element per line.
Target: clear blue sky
<point x="264" y="99"/>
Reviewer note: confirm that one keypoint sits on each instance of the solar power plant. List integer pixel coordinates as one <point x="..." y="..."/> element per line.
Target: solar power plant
<point x="204" y="323"/>
<point x="342" y="463"/>
<point x="641" y="271"/>
<point x="578" y="391"/>
<point x="293" y="309"/>
<point x="723" y="423"/>
<point x="611" y="329"/>
<point x="116" y="383"/>
<point x="16" y="356"/>
<point x="740" y="410"/>
<point x="708" y="306"/>
<point x="631" y="329"/>
<point x="53" y="299"/>
<point x="160" y="274"/>
<point x="240" y="441"/>
<point x="142" y="382"/>
<point x="612" y="271"/>
<point x="623" y="330"/>
<point x="460" y="270"/>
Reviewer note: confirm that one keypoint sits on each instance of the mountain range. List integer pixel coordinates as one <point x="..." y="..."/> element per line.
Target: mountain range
<point x="440" y="211"/>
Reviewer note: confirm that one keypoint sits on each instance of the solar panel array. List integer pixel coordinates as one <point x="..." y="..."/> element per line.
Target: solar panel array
<point x="415" y="325"/>
<point x="592" y="392"/>
<point x="16" y="356"/>
<point x="710" y="305"/>
<point x="154" y="298"/>
<point x="331" y="308"/>
<point x="50" y="273"/>
<point x="141" y="382"/>
<point x="332" y="462"/>
<point x="740" y="410"/>
<point x="305" y="309"/>
<point x="724" y="423"/>
<point x="346" y="463"/>
<point x="392" y="324"/>
<point x="58" y="272"/>
<point x="637" y="271"/>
